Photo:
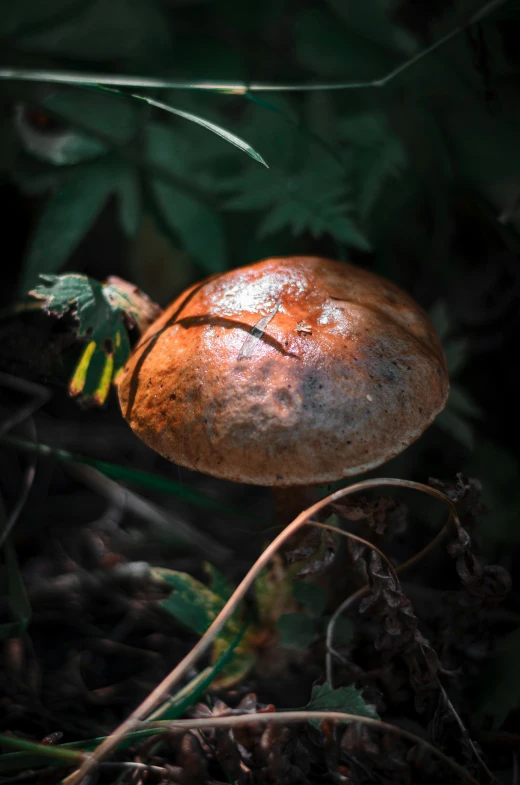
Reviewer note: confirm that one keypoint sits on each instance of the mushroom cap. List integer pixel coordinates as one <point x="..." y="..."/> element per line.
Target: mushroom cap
<point x="343" y="371"/>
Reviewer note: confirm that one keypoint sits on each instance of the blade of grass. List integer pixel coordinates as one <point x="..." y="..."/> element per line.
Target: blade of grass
<point x="142" y="479"/>
<point x="239" y="88"/>
<point x="157" y="695"/>
<point x="35" y="755"/>
<point x="15" y="591"/>
<point x="216" y="129"/>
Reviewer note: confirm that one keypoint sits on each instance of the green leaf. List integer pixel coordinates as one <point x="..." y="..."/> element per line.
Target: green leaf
<point x="441" y="320"/>
<point x="152" y="482"/>
<point x="113" y="115"/>
<point x="313" y="598"/>
<point x="13" y="589"/>
<point x="218" y="582"/>
<point x="101" y="312"/>
<point x="372" y="22"/>
<point x="136" y="29"/>
<point x="197" y="605"/>
<point x="191" y="602"/>
<point x="347" y="699"/>
<point x="297" y="630"/>
<point x="315" y="200"/>
<point x="377" y="155"/>
<point x="67" y="217"/>
<point x="171" y="709"/>
<point x="16" y="16"/>
<point x="90" y="123"/>
<point x="500" y="693"/>
<point x="461" y="401"/>
<point x="199" y="228"/>
<point x="62" y="147"/>
<point x="273" y="593"/>
<point x="457" y="427"/>
<point x="330" y="49"/>
<point x="128" y="189"/>
<point x="457" y="354"/>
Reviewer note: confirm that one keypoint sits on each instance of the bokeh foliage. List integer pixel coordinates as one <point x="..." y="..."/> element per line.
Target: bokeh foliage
<point x="389" y="177"/>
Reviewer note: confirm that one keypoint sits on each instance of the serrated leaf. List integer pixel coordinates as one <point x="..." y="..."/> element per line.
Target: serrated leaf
<point x="102" y="312"/>
<point x="313" y="598"/>
<point x="199" y="228"/>
<point x="377" y="155"/>
<point x="315" y="200"/>
<point x="347" y="699"/>
<point x="297" y="630"/>
<point x="67" y="217"/>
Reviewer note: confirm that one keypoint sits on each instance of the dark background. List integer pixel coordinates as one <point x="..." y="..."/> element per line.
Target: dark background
<point x="418" y="180"/>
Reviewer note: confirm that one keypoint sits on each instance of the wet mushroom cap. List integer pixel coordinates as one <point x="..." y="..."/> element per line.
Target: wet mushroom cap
<point x="343" y="371"/>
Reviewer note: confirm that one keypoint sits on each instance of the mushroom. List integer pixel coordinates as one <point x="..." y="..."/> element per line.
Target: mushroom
<point x="294" y="371"/>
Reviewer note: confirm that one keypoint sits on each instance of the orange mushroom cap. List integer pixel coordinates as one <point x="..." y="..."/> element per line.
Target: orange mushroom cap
<point x="290" y="371"/>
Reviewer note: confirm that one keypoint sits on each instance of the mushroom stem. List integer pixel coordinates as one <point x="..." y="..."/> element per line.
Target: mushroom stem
<point x="289" y="502"/>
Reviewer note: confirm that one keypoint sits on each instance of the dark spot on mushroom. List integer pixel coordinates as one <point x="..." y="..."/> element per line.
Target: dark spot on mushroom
<point x="349" y="442"/>
<point x="283" y="397"/>
<point x="173" y="396"/>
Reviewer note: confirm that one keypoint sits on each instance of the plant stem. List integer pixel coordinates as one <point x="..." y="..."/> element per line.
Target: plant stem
<point x="202" y="645"/>
<point x="238" y="88"/>
<point x="332" y="716"/>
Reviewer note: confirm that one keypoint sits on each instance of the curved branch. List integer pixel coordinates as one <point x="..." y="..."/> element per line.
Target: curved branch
<point x="203" y="644"/>
<point x="304" y="716"/>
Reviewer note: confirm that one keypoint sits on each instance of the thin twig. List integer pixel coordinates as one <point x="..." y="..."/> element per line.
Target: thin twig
<point x="157" y="695"/>
<point x="281" y="717"/>
<point x="469" y="741"/>
<point x="28" y="480"/>
<point x="39" y="396"/>
<point x="239" y="88"/>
